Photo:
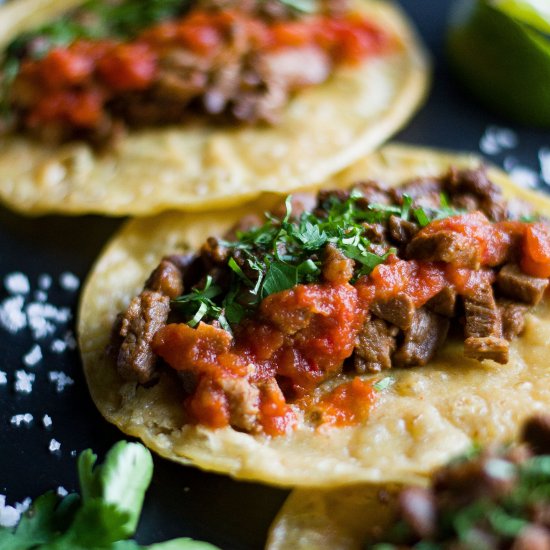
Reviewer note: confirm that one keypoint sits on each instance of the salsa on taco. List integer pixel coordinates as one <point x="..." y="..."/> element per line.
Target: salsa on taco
<point x="321" y="319"/>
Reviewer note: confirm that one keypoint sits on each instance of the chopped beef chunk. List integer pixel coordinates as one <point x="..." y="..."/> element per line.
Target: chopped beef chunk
<point x="443" y="303"/>
<point x="373" y="193"/>
<point x="166" y="279"/>
<point x="397" y="310"/>
<point x="244" y="402"/>
<point x="145" y="315"/>
<point x="375" y="232"/>
<point x="401" y="231"/>
<point x="337" y="268"/>
<point x="483" y="329"/>
<point x="513" y="318"/>
<point x="476" y="183"/>
<point x="536" y="433"/>
<point x="424" y="337"/>
<point x="515" y="284"/>
<point x="214" y="253"/>
<point x="374" y="347"/>
<point x="418" y="507"/>
<point x="426" y="192"/>
<point x="444" y="246"/>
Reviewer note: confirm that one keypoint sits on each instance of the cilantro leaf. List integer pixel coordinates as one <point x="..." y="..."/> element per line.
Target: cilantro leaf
<point x="279" y="276"/>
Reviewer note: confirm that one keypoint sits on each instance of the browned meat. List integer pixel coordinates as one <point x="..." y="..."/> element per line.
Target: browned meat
<point x="401" y="231"/>
<point x="337" y="268"/>
<point x="425" y="191"/>
<point x="536" y="433"/>
<point x="443" y="303"/>
<point x="515" y="284"/>
<point x="418" y="507"/>
<point x="475" y="182"/>
<point x="145" y="315"/>
<point x="373" y="193"/>
<point x="513" y="318"/>
<point x="397" y="310"/>
<point x="444" y="246"/>
<point x="375" y="232"/>
<point x="213" y="253"/>
<point x="244" y="402"/>
<point x="426" y="334"/>
<point x="374" y="347"/>
<point x="483" y="329"/>
<point x="166" y="279"/>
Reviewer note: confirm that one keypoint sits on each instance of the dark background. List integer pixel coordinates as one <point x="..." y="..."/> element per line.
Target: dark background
<point x="181" y="501"/>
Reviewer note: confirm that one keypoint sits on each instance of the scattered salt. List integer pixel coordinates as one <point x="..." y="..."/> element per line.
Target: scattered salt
<point x="61" y="491"/>
<point x="33" y="357"/>
<point x="12" y="316"/>
<point x="496" y="139"/>
<point x="44" y="281"/>
<point x="40" y="296"/>
<point x="23" y="381"/>
<point x="60" y="379"/>
<point x="69" y="281"/>
<point x="47" y="421"/>
<point x="17" y="283"/>
<point x="70" y="340"/>
<point x="43" y="316"/>
<point x="54" y="446"/>
<point x="73" y="452"/>
<point x="22" y="507"/>
<point x="9" y="516"/>
<point x="19" y="419"/>
<point x="544" y="159"/>
<point x="524" y="176"/>
<point x="58" y="346"/>
<point x="3" y="378"/>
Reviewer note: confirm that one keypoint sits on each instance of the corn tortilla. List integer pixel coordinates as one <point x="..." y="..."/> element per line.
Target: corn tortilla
<point x="199" y="166"/>
<point x="430" y="413"/>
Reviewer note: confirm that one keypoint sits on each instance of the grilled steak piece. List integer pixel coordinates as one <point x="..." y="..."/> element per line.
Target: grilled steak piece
<point x="443" y="303"/>
<point x="426" y="334"/>
<point x="515" y="284"/>
<point x="483" y="329"/>
<point x="337" y="268"/>
<point x="401" y="231"/>
<point x="145" y="315"/>
<point x="374" y="347"/>
<point x="397" y="310"/>
<point x="536" y="433"/>
<point x="166" y="279"/>
<point x="244" y="402"/>
<point x="513" y="318"/>
<point x="445" y="246"/>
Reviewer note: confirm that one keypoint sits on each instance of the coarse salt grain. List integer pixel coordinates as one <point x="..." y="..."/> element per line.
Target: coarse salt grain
<point x="17" y="283"/>
<point x="23" y="381"/>
<point x="61" y="491"/>
<point x="40" y="296"/>
<point x="47" y="421"/>
<point x="44" y="281"/>
<point x="9" y="516"/>
<point x="60" y="379"/>
<point x="3" y="378"/>
<point x="12" y="316"/>
<point x="496" y="139"/>
<point x="33" y="357"/>
<point x="19" y="419"/>
<point x="58" y="346"/>
<point x="54" y="446"/>
<point x="70" y="340"/>
<point x="22" y="507"/>
<point x="41" y="318"/>
<point x="69" y="281"/>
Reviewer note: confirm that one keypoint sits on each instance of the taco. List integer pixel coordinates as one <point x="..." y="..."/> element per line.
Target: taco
<point x="123" y="108"/>
<point x="282" y="348"/>
<point x="490" y="498"/>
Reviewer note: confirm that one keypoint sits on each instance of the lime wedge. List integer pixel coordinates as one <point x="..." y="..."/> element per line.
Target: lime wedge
<point x="500" y="50"/>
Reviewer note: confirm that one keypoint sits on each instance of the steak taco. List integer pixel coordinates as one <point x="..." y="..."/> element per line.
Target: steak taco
<point x="118" y="107"/>
<point x="487" y="499"/>
<point x="366" y="332"/>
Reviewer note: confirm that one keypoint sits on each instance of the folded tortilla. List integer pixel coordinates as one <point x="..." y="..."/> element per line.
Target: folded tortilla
<point x="203" y="166"/>
<point x="428" y="415"/>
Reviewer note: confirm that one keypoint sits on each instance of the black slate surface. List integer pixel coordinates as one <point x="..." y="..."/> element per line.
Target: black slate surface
<point x="181" y="501"/>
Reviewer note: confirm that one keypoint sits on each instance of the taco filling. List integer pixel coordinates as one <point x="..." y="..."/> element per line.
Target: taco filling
<point x="351" y="281"/>
<point x="489" y="499"/>
<point x="110" y="65"/>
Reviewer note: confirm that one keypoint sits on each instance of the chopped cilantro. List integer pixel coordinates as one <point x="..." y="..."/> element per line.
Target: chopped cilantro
<point x="383" y="383"/>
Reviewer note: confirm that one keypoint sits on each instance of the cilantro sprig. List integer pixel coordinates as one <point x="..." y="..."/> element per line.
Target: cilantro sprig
<point x="102" y="517"/>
